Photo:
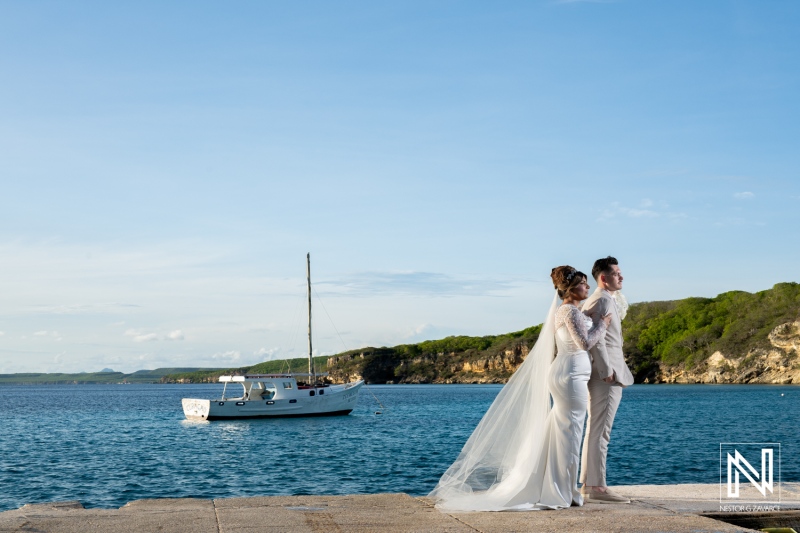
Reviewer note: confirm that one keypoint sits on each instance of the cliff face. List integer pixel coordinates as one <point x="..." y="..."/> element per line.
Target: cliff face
<point x="736" y="337"/>
<point x="385" y="366"/>
<point x="778" y="364"/>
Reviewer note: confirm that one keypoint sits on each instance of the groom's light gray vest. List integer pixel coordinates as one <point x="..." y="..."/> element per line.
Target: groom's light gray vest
<point x="607" y="354"/>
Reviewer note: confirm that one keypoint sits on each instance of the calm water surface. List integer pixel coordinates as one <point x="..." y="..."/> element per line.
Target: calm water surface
<point x="106" y="445"/>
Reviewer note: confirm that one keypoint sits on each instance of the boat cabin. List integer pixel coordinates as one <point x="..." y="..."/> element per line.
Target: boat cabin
<point x="257" y="387"/>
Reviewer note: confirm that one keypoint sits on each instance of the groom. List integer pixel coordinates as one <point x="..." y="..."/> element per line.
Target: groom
<point x="609" y="375"/>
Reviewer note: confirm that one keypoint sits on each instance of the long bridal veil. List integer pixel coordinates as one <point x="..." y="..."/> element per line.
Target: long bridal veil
<point x="498" y="467"/>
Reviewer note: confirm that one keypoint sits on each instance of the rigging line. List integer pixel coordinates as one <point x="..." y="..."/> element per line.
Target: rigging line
<point x="343" y="344"/>
<point x="373" y="395"/>
<point x="296" y="320"/>
<point x="329" y="317"/>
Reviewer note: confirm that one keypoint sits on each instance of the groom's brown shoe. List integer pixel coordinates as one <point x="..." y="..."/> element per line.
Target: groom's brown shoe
<point x="596" y="496"/>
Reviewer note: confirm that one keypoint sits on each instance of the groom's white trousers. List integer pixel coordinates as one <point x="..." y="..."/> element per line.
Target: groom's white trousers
<point x="603" y="402"/>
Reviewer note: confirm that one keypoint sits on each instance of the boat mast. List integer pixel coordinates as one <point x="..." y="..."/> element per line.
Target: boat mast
<point x="311" y="371"/>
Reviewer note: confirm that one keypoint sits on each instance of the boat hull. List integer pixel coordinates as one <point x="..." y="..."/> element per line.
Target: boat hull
<point x="336" y="401"/>
<point x="272" y="415"/>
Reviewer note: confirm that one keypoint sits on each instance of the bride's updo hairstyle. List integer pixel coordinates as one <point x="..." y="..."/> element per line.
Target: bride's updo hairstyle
<point x="565" y="279"/>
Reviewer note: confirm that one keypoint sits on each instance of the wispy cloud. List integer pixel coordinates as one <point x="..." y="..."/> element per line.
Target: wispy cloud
<point x="74" y="309"/>
<point x="49" y="334"/>
<point x="646" y="209"/>
<point x="739" y="221"/>
<point x="425" y="332"/>
<point x="138" y="336"/>
<point x="229" y="356"/>
<point x="267" y="353"/>
<point x="416" y="283"/>
<point x="176" y="335"/>
<point x="746" y="195"/>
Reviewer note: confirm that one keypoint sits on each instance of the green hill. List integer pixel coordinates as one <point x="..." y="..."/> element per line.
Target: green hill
<point x="211" y="375"/>
<point x="753" y="338"/>
<point x="736" y="337"/>
<point x="140" y="376"/>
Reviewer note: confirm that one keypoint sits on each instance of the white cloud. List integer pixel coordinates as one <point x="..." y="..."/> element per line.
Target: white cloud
<point x="176" y="335"/>
<point x="230" y="355"/>
<point x="631" y="212"/>
<point x="645" y="210"/>
<point x="739" y="221"/>
<point x="74" y="309"/>
<point x="417" y="283"/>
<point x="639" y="213"/>
<point x="139" y="336"/>
<point x="267" y="353"/>
<point x="743" y="195"/>
<point x="53" y="334"/>
<point x="2" y="333"/>
<point x="423" y="332"/>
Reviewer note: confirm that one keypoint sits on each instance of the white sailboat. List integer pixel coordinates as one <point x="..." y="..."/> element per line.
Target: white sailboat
<point x="278" y="395"/>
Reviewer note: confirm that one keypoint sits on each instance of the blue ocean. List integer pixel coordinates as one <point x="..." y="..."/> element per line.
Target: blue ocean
<point x="106" y="445"/>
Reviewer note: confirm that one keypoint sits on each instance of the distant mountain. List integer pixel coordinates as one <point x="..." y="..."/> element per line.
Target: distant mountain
<point x="106" y="370"/>
<point x="104" y="376"/>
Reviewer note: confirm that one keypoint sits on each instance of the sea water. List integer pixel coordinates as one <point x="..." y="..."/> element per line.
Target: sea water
<point x="106" y="445"/>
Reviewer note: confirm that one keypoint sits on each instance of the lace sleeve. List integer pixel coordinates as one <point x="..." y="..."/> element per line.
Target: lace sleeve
<point x="575" y="322"/>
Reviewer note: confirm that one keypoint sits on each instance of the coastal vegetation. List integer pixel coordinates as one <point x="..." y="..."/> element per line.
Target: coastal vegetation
<point x="685" y="333"/>
<point x="735" y="337"/>
<point x="81" y="378"/>
<point x="211" y="375"/>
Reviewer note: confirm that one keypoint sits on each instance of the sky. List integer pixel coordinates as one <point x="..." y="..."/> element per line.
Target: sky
<point x="166" y="166"/>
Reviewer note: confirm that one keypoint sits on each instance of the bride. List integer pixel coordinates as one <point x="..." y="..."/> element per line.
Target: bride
<point x="524" y="454"/>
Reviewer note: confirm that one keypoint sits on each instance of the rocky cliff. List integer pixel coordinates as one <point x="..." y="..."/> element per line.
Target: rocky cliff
<point x="778" y="364"/>
<point x="384" y="366"/>
<point x="736" y="337"/>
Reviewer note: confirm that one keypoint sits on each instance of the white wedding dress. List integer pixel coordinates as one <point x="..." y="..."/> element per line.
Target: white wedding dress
<point x="524" y="454"/>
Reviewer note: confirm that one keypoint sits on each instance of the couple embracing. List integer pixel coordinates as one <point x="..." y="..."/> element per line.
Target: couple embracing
<point x="525" y="452"/>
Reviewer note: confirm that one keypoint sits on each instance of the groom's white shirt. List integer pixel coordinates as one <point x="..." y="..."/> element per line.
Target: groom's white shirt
<point x="607" y="356"/>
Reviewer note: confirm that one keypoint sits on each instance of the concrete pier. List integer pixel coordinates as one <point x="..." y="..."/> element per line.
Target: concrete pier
<point x="674" y="508"/>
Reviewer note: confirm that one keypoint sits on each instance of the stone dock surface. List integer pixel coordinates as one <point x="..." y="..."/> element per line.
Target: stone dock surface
<point x="674" y="508"/>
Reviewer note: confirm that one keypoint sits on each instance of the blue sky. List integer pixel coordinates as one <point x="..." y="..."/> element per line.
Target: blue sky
<point x="165" y="168"/>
